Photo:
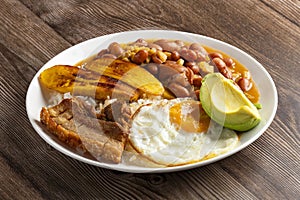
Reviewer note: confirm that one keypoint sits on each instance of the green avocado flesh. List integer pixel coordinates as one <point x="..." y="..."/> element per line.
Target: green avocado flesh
<point x="226" y="104"/>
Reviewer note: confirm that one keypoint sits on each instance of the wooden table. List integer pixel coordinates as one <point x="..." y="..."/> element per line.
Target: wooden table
<point x="33" y="31"/>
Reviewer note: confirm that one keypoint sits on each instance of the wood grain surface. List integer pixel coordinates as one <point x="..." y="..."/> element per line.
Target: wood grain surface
<point x="33" y="31"/>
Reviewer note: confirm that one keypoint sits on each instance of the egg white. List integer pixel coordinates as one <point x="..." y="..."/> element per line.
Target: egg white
<point x="154" y="136"/>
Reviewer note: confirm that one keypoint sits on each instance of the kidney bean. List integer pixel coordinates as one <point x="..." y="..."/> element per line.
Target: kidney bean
<point x="228" y="61"/>
<point x="108" y="55"/>
<point x="167" y="45"/>
<point x="200" y="56"/>
<point x="140" y="42"/>
<point x="112" y="44"/>
<point x="193" y="66"/>
<point x="152" y="68"/>
<point x="188" y="54"/>
<point x="189" y="64"/>
<point x="179" y="43"/>
<point x="226" y="73"/>
<point x="101" y="53"/>
<point x="175" y="55"/>
<point x="197" y="80"/>
<point x="220" y="64"/>
<point x="115" y="49"/>
<point x="140" y="57"/>
<point x="189" y="75"/>
<point x="155" y="46"/>
<point x="175" y="66"/>
<point x="245" y="84"/>
<point x="184" y="48"/>
<point x="215" y="55"/>
<point x="196" y="47"/>
<point x="195" y="69"/>
<point x="178" y="90"/>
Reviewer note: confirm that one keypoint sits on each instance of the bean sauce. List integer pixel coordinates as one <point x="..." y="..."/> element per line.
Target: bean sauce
<point x="252" y="93"/>
<point x="166" y="59"/>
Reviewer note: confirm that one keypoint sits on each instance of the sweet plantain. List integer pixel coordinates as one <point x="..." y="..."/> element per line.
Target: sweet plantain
<point x="128" y="73"/>
<point x="64" y="78"/>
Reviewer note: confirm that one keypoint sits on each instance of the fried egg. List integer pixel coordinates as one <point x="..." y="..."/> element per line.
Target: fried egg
<point x="177" y="132"/>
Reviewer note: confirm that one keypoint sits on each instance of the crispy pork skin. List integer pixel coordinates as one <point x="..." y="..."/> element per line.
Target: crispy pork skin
<point x="75" y="123"/>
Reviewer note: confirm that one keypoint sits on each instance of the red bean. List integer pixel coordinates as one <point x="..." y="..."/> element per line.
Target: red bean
<point x="189" y="75"/>
<point x="215" y="55"/>
<point x="189" y="64"/>
<point x="245" y="84"/>
<point x="193" y="67"/>
<point x="140" y="42"/>
<point x="175" y="66"/>
<point x="175" y="55"/>
<point x="115" y="49"/>
<point x="101" y="53"/>
<point x="196" y="47"/>
<point x="197" y="80"/>
<point x="140" y="57"/>
<point x="200" y="56"/>
<point x="167" y="45"/>
<point x="228" y="61"/>
<point x="179" y="43"/>
<point x="155" y="46"/>
<point x="219" y="63"/>
<point x="226" y="73"/>
<point x="188" y="54"/>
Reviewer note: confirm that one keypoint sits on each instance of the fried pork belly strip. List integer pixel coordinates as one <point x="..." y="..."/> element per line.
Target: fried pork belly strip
<point x="75" y="123"/>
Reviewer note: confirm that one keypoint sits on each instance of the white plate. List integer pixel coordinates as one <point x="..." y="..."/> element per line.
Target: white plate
<point x="35" y="99"/>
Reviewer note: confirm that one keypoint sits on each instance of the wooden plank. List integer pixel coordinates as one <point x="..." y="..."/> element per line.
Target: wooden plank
<point x="289" y="9"/>
<point x="13" y="186"/>
<point x="28" y="37"/>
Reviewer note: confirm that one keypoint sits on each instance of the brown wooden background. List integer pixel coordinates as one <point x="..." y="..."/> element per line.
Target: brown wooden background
<point x="33" y="31"/>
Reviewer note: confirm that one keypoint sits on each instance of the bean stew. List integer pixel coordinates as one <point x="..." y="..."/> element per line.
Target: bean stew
<point x="180" y="66"/>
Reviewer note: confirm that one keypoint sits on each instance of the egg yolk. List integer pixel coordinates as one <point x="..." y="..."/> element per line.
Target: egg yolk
<point x="189" y="116"/>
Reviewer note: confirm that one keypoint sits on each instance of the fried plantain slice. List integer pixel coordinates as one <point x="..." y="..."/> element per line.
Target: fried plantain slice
<point x="128" y="73"/>
<point x="78" y="81"/>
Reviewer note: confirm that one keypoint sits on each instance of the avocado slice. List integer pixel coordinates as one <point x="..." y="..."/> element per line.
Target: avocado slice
<point x="226" y="104"/>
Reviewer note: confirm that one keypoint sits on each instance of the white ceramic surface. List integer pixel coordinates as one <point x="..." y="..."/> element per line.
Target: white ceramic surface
<point x="35" y="99"/>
